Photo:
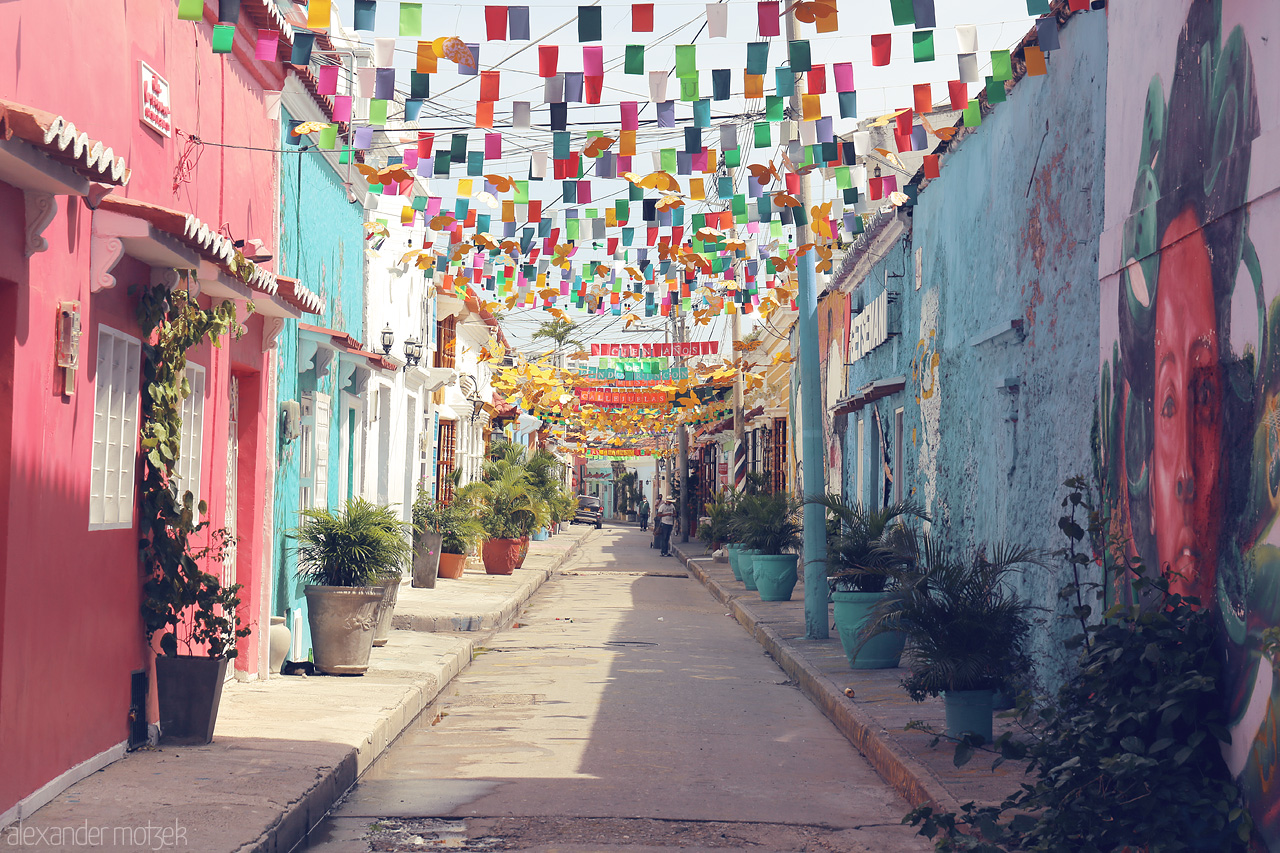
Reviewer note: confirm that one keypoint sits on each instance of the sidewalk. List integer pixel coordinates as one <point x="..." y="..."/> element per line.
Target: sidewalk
<point x="287" y="748"/>
<point x="874" y="720"/>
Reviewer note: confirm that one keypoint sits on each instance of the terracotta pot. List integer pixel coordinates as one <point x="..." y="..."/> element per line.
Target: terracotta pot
<point x="451" y="565"/>
<point x="502" y="556"/>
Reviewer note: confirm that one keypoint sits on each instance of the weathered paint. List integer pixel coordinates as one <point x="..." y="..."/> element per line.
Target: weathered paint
<point x="321" y="245"/>
<point x="69" y="598"/>
<point x="996" y="340"/>
<point x="1188" y="451"/>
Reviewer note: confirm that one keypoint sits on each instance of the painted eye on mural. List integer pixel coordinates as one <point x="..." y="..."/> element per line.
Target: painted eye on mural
<point x="1170" y="408"/>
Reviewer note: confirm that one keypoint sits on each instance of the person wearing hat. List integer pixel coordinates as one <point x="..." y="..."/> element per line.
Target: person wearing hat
<point x="664" y="521"/>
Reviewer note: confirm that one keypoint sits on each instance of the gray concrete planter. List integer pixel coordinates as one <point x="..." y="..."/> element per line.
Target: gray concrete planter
<point x="189" y="690"/>
<point x="390" y="595"/>
<point x="343" y="620"/>
<point x="426" y="560"/>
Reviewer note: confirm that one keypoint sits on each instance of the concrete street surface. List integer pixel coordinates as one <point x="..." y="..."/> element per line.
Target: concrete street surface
<point x="623" y="711"/>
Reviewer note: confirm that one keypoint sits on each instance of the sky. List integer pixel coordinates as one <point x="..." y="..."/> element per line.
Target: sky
<point x="1000" y="25"/>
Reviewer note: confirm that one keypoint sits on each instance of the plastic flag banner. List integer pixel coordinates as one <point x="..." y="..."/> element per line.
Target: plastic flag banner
<point x="768" y="13"/>
<point x="881" y="49"/>
<point x="642" y="17"/>
<point x="922" y="45"/>
<point x="518" y="23"/>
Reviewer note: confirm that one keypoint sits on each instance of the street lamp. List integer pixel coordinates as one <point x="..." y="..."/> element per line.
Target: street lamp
<point x="388" y="338"/>
<point x="412" y="352"/>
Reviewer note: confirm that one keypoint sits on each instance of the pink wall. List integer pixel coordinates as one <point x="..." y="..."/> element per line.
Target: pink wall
<point x="70" y="630"/>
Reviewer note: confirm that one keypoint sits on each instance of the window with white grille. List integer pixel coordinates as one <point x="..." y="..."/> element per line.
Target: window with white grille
<point x="187" y="471"/>
<point x="115" y="430"/>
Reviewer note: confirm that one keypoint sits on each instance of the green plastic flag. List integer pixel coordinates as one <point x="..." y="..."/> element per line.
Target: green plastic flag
<point x="1001" y="65"/>
<point x="635" y="59"/>
<point x="668" y="159"/>
<point x="410" y="20"/>
<point x="635" y="192"/>
<point x="757" y="57"/>
<point x="973" y="113"/>
<point x="224" y="35"/>
<point x="739" y="205"/>
<point x="522" y="192"/>
<point x="995" y="91"/>
<point x="377" y="111"/>
<point x="571" y="228"/>
<point x="922" y="44"/>
<point x="475" y="163"/>
<point x="328" y="136"/>
<point x="763" y="136"/>
<point x="775" y="108"/>
<point x="843" y="179"/>
<point x="686" y="60"/>
<point x="1037" y="7"/>
<point x="191" y="10"/>
<point x="904" y="13"/>
<point x="798" y="54"/>
<point x="689" y="88"/>
<point x="622" y="210"/>
<point x="733" y="158"/>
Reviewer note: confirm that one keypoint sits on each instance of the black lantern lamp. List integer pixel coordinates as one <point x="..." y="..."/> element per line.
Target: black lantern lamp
<point x="388" y="338"/>
<point x="412" y="353"/>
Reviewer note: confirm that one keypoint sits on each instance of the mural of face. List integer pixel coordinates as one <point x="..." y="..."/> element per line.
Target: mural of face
<point x="1186" y="488"/>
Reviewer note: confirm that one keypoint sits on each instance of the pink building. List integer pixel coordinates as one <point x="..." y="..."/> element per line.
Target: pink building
<point x="116" y="169"/>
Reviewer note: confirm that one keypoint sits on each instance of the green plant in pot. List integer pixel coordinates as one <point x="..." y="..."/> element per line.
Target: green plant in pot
<point x="196" y="616"/>
<point x="390" y="577"/>
<point x="715" y="532"/>
<point x="771" y="529"/>
<point x="965" y="625"/>
<point x="342" y="555"/>
<point x="860" y="563"/>
<point x="508" y="510"/>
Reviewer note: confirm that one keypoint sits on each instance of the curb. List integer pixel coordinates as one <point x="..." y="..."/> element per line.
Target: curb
<point x="912" y="780"/>
<point x="293" y="827"/>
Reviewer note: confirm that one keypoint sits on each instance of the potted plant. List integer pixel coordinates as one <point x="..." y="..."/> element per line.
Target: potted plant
<point x="859" y="565"/>
<point x="770" y="528"/>
<point x="198" y="621"/>
<point x="429" y="519"/>
<point x="714" y="532"/>
<point x="342" y="555"/>
<point x="965" y="625"/>
<point x="390" y="578"/>
<point x="508" y="511"/>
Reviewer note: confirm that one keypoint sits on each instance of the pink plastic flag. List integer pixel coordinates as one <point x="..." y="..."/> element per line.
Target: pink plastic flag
<point x="493" y="146"/>
<point x="433" y="205"/>
<point x="592" y="60"/>
<point x="630" y="115"/>
<point x="328" y="82"/>
<point x="268" y="45"/>
<point x="410" y="158"/>
<point x="342" y="108"/>
<point x="844" y="76"/>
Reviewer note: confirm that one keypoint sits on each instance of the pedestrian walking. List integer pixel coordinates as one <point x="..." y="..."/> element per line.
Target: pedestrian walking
<point x="664" y="520"/>
<point x="644" y="514"/>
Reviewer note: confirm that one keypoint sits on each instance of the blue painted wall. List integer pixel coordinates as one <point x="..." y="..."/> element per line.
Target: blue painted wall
<point x="321" y="245"/>
<point x="994" y="423"/>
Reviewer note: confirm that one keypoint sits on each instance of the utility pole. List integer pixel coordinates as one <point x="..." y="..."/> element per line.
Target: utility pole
<point x="816" y="619"/>
<point x="739" y="425"/>
<point x="683" y="452"/>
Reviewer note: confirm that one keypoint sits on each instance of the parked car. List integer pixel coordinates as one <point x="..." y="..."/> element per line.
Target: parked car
<point x="590" y="511"/>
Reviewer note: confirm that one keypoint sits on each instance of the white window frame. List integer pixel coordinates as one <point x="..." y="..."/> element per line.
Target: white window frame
<point x="191" y="449"/>
<point x="114" y="457"/>
<point x="899" y="490"/>
<point x="860" y="461"/>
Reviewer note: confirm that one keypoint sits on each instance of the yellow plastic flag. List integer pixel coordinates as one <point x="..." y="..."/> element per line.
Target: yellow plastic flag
<point x="318" y="14"/>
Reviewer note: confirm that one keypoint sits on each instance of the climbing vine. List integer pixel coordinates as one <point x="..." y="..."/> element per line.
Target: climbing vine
<point x="179" y="598"/>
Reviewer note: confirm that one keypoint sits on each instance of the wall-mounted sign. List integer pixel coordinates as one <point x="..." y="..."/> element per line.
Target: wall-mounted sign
<point x="871" y="327"/>
<point x="154" y="105"/>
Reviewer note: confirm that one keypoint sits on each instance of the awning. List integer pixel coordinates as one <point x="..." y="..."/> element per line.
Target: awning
<point x="163" y="237"/>
<point x="342" y="342"/>
<point x="867" y="394"/>
<point x="30" y="138"/>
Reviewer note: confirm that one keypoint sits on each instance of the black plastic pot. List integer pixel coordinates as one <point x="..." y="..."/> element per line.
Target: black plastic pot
<point x="189" y="690"/>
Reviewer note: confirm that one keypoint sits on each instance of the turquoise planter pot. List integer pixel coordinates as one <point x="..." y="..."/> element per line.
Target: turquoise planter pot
<point x="734" y="551"/>
<point x="775" y="575"/>
<point x="969" y="711"/>
<point x="540" y="535"/>
<point x="851" y="610"/>
<point x="746" y="561"/>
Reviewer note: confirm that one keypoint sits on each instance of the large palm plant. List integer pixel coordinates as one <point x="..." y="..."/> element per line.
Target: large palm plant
<point x="508" y="506"/>
<point x="769" y="523"/>
<point x="860" y="550"/>
<point x="965" y="625"/>
<point x="353" y="546"/>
